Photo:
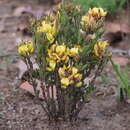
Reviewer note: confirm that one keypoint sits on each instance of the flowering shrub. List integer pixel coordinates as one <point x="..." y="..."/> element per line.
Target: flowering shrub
<point x="68" y="50"/>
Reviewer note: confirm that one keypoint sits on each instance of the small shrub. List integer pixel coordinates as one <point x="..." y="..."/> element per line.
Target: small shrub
<point x="68" y="50"/>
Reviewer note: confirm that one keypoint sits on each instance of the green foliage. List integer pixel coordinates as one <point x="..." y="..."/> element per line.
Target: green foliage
<point x="111" y="6"/>
<point x="123" y="78"/>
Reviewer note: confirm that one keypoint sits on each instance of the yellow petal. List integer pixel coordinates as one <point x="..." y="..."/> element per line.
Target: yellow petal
<point x="49" y="69"/>
<point x="97" y="12"/>
<point x="85" y="19"/>
<point x="61" y="72"/>
<point x="46" y="28"/>
<point x="65" y="81"/>
<point x="78" y="76"/>
<point x="52" y="64"/>
<point x="94" y="11"/>
<point x="22" y="50"/>
<point x="60" y="49"/>
<point x="102" y="12"/>
<point x="103" y="45"/>
<point x="30" y="47"/>
<point x="74" y="51"/>
<point x="71" y="81"/>
<point x="26" y="48"/>
<point x="96" y="50"/>
<point x="74" y="70"/>
<point x="79" y="84"/>
<point x="65" y="58"/>
<point x="63" y="86"/>
<point x="99" y="48"/>
<point x="40" y="29"/>
<point x="50" y="37"/>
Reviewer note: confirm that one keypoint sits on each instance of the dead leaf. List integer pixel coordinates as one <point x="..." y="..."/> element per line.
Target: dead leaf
<point x="29" y="88"/>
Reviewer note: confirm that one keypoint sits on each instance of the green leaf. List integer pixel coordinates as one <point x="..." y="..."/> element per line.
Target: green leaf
<point x="123" y="78"/>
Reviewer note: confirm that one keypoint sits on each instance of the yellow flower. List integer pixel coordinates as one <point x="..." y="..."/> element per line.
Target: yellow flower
<point x="61" y="72"/>
<point x="97" y="13"/>
<point x="53" y="48"/>
<point x="78" y="76"/>
<point x="102" y="12"/>
<point x="22" y="50"/>
<point x="64" y="58"/>
<point x="85" y="19"/>
<point x="64" y="82"/>
<point x="26" y="48"/>
<point x="50" y="37"/>
<point x="58" y="53"/>
<point x="93" y="11"/>
<point x="49" y="30"/>
<point x="52" y="65"/>
<point x="79" y="84"/>
<point x="90" y="20"/>
<point x="100" y="48"/>
<point x="69" y="75"/>
<point x="74" y="51"/>
<point x="74" y="70"/>
<point x="30" y="47"/>
<point x="45" y="28"/>
<point x="60" y="49"/>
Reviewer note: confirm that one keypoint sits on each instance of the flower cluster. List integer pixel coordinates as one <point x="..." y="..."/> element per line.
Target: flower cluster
<point x="100" y="48"/>
<point x="91" y="20"/>
<point x="74" y="52"/>
<point x="57" y="54"/>
<point x="60" y="54"/>
<point x="70" y="76"/>
<point x="97" y="13"/>
<point x="48" y="29"/>
<point x="25" y="48"/>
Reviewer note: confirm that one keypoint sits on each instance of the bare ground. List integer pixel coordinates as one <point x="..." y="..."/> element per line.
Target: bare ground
<point x="18" y="110"/>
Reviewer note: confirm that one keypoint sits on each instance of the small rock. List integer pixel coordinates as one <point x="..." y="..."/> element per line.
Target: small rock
<point x="122" y="61"/>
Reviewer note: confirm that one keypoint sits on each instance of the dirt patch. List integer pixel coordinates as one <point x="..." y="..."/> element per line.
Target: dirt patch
<point x="19" y="110"/>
